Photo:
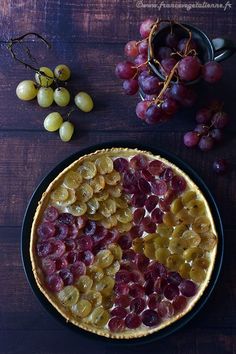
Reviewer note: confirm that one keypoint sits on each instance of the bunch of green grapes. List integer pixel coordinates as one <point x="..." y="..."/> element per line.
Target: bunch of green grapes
<point x="41" y="88"/>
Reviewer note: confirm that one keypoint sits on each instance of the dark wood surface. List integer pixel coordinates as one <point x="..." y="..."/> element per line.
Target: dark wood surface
<point x="89" y="36"/>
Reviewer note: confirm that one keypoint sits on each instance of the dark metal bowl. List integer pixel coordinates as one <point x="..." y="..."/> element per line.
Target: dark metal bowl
<point x="28" y="219"/>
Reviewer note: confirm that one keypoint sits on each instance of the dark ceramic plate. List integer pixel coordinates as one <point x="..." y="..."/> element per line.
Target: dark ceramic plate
<point x="28" y="219"/>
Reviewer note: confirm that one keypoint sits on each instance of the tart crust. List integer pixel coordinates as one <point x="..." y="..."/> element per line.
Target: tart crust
<point x="39" y="277"/>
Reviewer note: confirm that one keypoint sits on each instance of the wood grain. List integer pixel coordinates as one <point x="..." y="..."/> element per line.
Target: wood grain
<point x="89" y="36"/>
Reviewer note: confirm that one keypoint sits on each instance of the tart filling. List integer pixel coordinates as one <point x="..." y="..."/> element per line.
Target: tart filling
<point x="123" y="243"/>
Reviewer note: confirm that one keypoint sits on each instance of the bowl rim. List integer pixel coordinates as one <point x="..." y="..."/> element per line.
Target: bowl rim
<point x="28" y="218"/>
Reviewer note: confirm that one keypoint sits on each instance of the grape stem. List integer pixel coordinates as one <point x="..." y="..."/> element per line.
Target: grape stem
<point x="166" y="84"/>
<point x="13" y="41"/>
<point x="70" y="112"/>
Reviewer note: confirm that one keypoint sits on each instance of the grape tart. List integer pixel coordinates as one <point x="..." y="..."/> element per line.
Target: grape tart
<point x="123" y="243"/>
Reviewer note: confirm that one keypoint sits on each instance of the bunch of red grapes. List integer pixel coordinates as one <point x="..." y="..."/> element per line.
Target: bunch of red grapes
<point x="211" y="121"/>
<point x="178" y="63"/>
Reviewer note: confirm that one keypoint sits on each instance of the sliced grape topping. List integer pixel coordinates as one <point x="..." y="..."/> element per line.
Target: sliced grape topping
<point x="124" y="243"/>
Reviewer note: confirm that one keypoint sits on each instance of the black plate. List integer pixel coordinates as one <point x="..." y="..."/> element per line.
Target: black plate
<point x="28" y="219"/>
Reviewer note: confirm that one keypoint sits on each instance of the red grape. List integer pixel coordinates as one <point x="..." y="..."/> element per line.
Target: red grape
<point x="142" y="261"/>
<point x="46" y="230"/>
<point x="191" y="139"/>
<point x="66" y="218"/>
<point x="151" y="202"/>
<point x="119" y="312"/>
<point x="51" y="214"/>
<point x="163" y="53"/>
<point x="44" y="249"/>
<point x="178" y="184"/>
<point x="138" y="162"/>
<point x="154" y="114"/>
<point x="220" y="120"/>
<point x="183" y="42"/>
<point x="87" y="257"/>
<point x="170" y="291"/>
<point x="206" y="143"/>
<point x="145" y="27"/>
<point x="150" y="85"/>
<point x="202" y="129"/>
<point x="61" y="263"/>
<point x="148" y="225"/>
<point x="212" y="72"/>
<point x="204" y="115"/>
<point x="90" y="228"/>
<point x="153" y="301"/>
<point x="189" y="68"/>
<point x="125" y="70"/>
<point x="136" y="290"/>
<point x="143" y="47"/>
<point x="132" y="321"/>
<point x="48" y="266"/>
<point x="149" y="286"/>
<point x="138" y="215"/>
<point x="116" y="324"/>
<point x="220" y="166"/>
<point x="141" y="109"/>
<point x="188" y="288"/>
<point x="122" y="301"/>
<point x="125" y="241"/>
<point x="123" y="276"/>
<point x="120" y="164"/>
<point x="131" y="49"/>
<point x="167" y="65"/>
<point x="157" y="216"/>
<point x="121" y="289"/>
<point x="137" y="305"/>
<point x="129" y="255"/>
<point x="150" y="318"/>
<point x="216" y="134"/>
<point x="66" y="276"/>
<point x="84" y="243"/>
<point x="179" y="303"/>
<point x="169" y="106"/>
<point x="165" y="309"/>
<point x="141" y="62"/>
<point x="159" y="187"/>
<point x="171" y="40"/>
<point x="54" y="283"/>
<point x="78" y="269"/>
<point x="174" y="278"/>
<point x="130" y="86"/>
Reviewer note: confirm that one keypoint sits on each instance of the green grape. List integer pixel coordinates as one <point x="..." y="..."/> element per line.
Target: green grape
<point x="61" y="96"/>
<point x="84" y="102"/>
<point x="82" y="308"/>
<point x="66" y="131"/>
<point x="45" y="97"/>
<point x="26" y="90"/>
<point x="62" y="72"/>
<point x="69" y="295"/>
<point x="53" y="121"/>
<point x="42" y="80"/>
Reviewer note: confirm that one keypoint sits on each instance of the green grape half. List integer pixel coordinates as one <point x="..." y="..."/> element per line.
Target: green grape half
<point x="62" y="72"/>
<point x="42" y="80"/>
<point x="26" y="90"/>
<point x="61" y="96"/>
<point x="53" y="121"/>
<point x="84" y="102"/>
<point x="66" y="131"/>
<point x="45" y="97"/>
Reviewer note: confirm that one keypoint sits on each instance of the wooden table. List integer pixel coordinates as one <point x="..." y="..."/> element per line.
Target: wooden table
<point x="89" y="36"/>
